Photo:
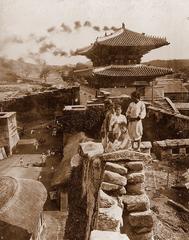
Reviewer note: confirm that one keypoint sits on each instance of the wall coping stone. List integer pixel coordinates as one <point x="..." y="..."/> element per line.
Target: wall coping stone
<point x="125" y="155"/>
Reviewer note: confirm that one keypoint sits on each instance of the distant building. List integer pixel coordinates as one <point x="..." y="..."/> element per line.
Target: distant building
<point x="176" y="91"/>
<point x="172" y="149"/>
<point x="116" y="59"/>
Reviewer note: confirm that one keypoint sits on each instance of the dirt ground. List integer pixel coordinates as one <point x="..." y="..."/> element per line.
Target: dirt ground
<point x="42" y="131"/>
<point x="170" y="224"/>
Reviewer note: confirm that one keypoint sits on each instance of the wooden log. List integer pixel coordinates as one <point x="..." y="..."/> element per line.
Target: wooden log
<point x="177" y="205"/>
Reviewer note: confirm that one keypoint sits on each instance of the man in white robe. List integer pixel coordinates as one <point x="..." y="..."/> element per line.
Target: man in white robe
<point x="135" y="113"/>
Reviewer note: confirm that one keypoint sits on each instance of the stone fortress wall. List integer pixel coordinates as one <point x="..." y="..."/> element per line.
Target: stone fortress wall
<point x="43" y="104"/>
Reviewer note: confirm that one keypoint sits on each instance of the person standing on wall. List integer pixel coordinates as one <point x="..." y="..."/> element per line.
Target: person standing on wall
<point x="135" y="113"/>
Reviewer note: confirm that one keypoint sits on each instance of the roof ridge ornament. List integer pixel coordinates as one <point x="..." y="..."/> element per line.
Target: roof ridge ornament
<point x="123" y="25"/>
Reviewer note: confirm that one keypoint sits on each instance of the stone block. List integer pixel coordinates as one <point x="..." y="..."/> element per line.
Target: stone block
<point x="108" y="187"/>
<point x="90" y="149"/>
<point x="122" y="191"/>
<point x="137" y="177"/>
<point x="109" y="219"/>
<point x="75" y="160"/>
<point x="141" y="230"/>
<point x="104" y="235"/>
<point x="137" y="203"/>
<point x="106" y="201"/>
<point x="117" y="168"/>
<point x="125" y="155"/>
<point x="143" y="236"/>
<point x="135" y="189"/>
<point x="134" y="166"/>
<point x="96" y="163"/>
<point x="141" y="219"/>
<point x="115" y="178"/>
<point x="146" y="147"/>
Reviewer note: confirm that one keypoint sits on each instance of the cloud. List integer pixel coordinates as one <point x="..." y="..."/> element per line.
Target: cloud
<point x="77" y="24"/>
<point x="59" y="52"/>
<point x="32" y="35"/>
<point x="87" y="24"/>
<point x="96" y="28"/>
<point x="106" y="28"/>
<point x="36" y="58"/>
<point x="114" y="28"/>
<point x="72" y="53"/>
<point x="20" y="59"/>
<point x="14" y="39"/>
<point x="66" y="28"/>
<point x="51" y="29"/>
<point x="46" y="47"/>
<point x="41" y="39"/>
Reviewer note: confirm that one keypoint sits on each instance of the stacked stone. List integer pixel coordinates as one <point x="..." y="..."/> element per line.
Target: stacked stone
<point x="122" y="207"/>
<point x="110" y="207"/>
<point x="137" y="203"/>
<point x="137" y="217"/>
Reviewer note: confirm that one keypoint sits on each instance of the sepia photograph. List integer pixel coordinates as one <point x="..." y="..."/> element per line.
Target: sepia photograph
<point x="94" y="120"/>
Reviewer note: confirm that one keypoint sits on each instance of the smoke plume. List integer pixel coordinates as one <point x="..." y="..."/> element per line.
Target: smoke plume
<point x="46" y="47"/>
<point x="77" y="25"/>
<point x="66" y="28"/>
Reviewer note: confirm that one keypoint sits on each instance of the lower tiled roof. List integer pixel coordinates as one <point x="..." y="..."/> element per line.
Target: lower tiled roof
<point x="131" y="71"/>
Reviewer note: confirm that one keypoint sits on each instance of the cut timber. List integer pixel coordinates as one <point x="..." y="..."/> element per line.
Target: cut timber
<point x="177" y="205"/>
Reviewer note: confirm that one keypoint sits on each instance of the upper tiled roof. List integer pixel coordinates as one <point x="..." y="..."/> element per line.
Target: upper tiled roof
<point x="128" y="38"/>
<point x="125" y="38"/>
<point x="131" y="71"/>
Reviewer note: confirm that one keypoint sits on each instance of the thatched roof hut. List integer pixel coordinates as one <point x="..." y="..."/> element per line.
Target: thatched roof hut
<point x="21" y="202"/>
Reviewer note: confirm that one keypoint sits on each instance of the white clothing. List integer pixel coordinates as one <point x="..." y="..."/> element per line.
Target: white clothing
<point x="117" y="119"/>
<point x="135" y="128"/>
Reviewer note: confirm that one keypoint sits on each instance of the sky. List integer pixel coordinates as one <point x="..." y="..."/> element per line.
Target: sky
<point x="50" y="30"/>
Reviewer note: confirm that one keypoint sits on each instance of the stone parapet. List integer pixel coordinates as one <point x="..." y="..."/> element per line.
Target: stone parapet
<point x="115" y="189"/>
